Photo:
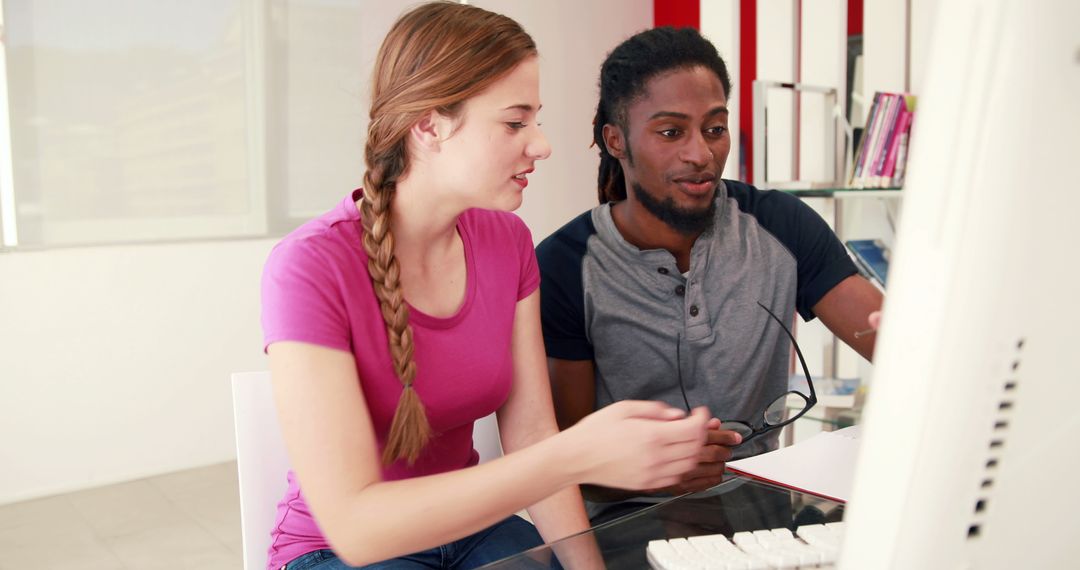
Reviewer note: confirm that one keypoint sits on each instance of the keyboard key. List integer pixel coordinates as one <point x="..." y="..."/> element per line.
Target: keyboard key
<point x="810" y="546"/>
<point x="717" y="542"/>
<point x="742" y="538"/>
<point x="765" y="536"/>
<point x="663" y="555"/>
<point x="686" y="550"/>
<point x="782" y="534"/>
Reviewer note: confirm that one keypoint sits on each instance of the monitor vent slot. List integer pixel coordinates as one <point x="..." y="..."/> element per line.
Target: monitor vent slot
<point x="1006" y="403"/>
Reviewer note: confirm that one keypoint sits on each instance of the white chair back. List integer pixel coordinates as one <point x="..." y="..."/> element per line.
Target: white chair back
<point x="485" y="437"/>
<point x="262" y="463"/>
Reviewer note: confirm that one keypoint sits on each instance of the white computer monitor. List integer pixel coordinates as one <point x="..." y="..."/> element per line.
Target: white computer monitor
<point x="970" y="455"/>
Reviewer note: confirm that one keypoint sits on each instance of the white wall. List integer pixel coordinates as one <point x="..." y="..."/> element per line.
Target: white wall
<point x="884" y="46"/>
<point x="776" y="61"/>
<point x="823" y="62"/>
<point x="114" y="361"/>
<point x="573" y="38"/>
<point x="720" y="23"/>
<point x="923" y="21"/>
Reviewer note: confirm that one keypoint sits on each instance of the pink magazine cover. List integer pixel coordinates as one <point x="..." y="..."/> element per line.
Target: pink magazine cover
<point x="885" y="137"/>
<point x="901" y="128"/>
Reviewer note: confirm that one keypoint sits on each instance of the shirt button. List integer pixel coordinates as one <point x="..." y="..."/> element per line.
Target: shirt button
<point x="680" y="290"/>
<point x="693" y="310"/>
<point x="662" y="270"/>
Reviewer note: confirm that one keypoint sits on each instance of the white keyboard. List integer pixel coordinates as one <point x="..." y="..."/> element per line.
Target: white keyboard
<point x="811" y="546"/>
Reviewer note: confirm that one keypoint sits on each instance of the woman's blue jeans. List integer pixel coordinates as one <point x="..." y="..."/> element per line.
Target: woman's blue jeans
<point x="506" y="538"/>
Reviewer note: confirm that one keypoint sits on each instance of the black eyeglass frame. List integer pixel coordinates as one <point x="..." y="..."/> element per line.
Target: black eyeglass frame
<point x="764" y="426"/>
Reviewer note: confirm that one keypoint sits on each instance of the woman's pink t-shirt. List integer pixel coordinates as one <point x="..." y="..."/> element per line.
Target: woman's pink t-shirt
<point x="316" y="289"/>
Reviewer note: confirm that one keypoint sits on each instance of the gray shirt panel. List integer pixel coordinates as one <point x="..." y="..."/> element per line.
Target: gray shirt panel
<point x="727" y="351"/>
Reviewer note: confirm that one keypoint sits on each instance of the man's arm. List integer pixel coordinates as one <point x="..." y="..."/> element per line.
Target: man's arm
<point x="846" y="309"/>
<point x="573" y="390"/>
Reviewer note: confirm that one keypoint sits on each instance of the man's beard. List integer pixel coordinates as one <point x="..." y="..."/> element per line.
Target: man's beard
<point x="686" y="221"/>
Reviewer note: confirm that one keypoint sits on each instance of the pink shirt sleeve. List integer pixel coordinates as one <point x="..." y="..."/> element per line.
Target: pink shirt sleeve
<point x="530" y="272"/>
<point x="301" y="299"/>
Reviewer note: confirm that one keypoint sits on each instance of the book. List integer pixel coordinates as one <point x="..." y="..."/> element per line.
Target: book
<point x="894" y="145"/>
<point x="870" y="140"/>
<point x="822" y="465"/>
<point x="878" y="156"/>
<point x="860" y="157"/>
<point x="894" y="121"/>
<point x="902" y="151"/>
<point x="888" y="128"/>
<point x="903" y="133"/>
<point x="901" y="161"/>
<point x="877" y="140"/>
<point x="872" y="259"/>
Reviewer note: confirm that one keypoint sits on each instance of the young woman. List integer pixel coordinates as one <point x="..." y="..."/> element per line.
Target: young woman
<point x="397" y="319"/>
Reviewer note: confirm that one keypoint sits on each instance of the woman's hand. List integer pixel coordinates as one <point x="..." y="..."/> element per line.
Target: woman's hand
<point x="638" y="444"/>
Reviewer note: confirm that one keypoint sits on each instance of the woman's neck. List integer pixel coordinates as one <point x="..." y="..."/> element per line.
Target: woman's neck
<point x="429" y="250"/>
<point x="424" y="221"/>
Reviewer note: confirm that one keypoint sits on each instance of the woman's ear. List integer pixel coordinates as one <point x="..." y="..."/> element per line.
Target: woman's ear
<point x="432" y="130"/>
<point x="614" y="141"/>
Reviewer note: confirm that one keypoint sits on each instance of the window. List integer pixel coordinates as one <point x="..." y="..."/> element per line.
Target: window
<point x="134" y="120"/>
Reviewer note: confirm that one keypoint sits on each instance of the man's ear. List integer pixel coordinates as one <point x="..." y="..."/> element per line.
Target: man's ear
<point x="431" y="130"/>
<point x="614" y="141"/>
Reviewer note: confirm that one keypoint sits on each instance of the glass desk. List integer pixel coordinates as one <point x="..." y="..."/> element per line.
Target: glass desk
<point x="737" y="504"/>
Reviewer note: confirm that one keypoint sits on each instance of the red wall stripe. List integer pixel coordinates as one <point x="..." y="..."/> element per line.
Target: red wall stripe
<point x="747" y="75"/>
<point x="854" y="17"/>
<point x="678" y="13"/>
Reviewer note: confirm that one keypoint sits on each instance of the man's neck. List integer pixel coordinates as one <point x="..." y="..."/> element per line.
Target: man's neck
<point x="645" y="231"/>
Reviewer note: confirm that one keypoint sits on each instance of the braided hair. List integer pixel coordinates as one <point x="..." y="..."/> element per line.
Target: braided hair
<point x="435" y="57"/>
<point x="623" y="76"/>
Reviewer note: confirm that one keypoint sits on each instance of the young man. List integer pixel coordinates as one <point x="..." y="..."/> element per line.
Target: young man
<point x="655" y="293"/>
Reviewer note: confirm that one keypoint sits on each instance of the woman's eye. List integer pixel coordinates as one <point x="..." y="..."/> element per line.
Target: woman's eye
<point x="516" y="125"/>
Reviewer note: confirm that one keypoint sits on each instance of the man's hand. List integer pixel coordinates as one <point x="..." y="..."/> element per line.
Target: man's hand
<point x="875" y="320"/>
<point x="710" y="469"/>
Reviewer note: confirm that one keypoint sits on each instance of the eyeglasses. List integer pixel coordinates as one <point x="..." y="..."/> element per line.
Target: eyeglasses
<point x="774" y="416"/>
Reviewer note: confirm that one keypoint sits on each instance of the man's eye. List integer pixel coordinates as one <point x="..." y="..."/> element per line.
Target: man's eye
<point x="717" y="131"/>
<point x="669" y="133"/>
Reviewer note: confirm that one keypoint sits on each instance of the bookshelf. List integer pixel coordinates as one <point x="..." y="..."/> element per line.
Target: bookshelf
<point x="835" y="197"/>
<point x="805" y="132"/>
<point x="837" y="158"/>
<point x="841" y="192"/>
<point x="835" y="143"/>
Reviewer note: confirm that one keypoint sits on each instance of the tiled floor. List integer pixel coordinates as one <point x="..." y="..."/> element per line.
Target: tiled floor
<point x="188" y="519"/>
